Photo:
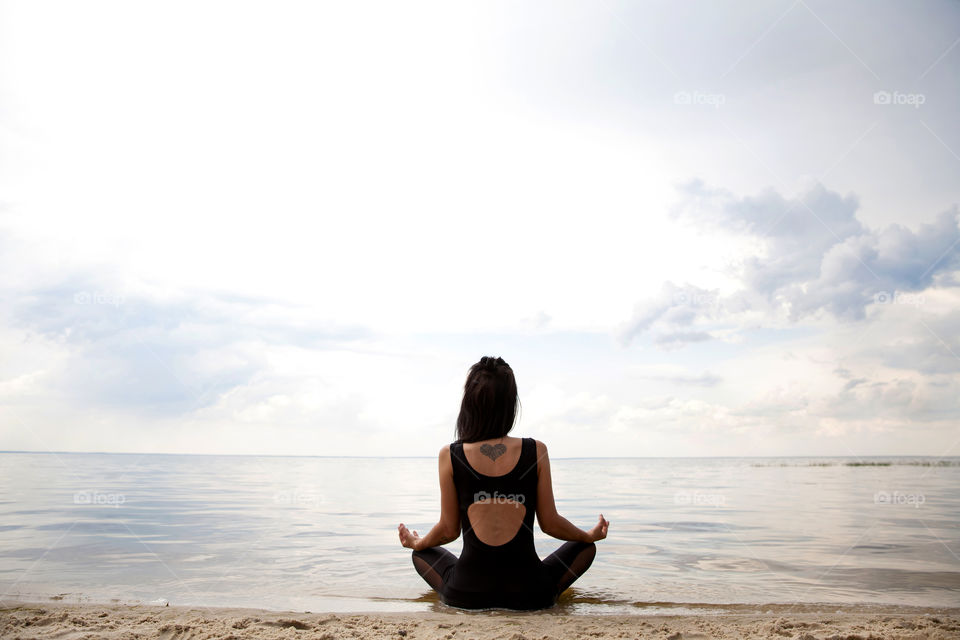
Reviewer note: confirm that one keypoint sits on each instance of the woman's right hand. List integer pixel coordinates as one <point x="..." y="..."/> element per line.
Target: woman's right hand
<point x="599" y="531"/>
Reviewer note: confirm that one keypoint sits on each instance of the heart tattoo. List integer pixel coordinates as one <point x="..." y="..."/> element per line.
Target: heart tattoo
<point x="493" y="452"/>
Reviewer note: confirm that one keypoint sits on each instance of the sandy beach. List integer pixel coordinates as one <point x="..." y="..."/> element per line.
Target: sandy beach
<point x="89" y="621"/>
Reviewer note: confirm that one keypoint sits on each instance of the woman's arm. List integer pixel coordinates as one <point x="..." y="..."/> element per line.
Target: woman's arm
<point x="448" y="529"/>
<point x="552" y="523"/>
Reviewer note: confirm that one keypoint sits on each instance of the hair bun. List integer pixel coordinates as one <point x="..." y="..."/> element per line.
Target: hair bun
<point x="489" y="363"/>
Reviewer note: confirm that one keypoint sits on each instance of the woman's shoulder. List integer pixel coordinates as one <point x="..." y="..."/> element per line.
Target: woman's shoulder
<point x="536" y="445"/>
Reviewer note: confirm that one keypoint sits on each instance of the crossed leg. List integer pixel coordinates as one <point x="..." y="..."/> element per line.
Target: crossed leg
<point x="432" y="564"/>
<point x="569" y="562"/>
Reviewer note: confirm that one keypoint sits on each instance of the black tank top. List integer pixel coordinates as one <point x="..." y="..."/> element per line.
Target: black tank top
<point x="509" y="575"/>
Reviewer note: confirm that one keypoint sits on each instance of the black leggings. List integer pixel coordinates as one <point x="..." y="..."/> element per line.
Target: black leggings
<point x="564" y="565"/>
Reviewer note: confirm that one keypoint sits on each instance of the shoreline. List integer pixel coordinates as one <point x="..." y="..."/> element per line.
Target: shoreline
<point x="581" y="606"/>
<point x="71" y="621"/>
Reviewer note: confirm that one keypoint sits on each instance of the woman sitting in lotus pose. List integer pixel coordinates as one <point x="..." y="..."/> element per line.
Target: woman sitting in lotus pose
<point x="491" y="485"/>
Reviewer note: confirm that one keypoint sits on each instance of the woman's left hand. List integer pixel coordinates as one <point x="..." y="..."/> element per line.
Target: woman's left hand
<point x="408" y="539"/>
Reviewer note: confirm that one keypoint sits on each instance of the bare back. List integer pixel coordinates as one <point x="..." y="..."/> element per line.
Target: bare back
<point x="495" y="520"/>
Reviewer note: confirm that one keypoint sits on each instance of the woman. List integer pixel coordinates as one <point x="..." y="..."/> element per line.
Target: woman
<point x="491" y="484"/>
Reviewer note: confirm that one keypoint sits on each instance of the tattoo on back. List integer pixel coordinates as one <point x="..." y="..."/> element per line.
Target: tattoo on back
<point x="493" y="451"/>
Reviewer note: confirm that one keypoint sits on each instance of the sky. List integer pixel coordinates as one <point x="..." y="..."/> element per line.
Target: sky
<point x="692" y="229"/>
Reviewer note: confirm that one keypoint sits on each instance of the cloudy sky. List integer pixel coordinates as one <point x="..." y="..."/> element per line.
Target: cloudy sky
<point x="692" y="228"/>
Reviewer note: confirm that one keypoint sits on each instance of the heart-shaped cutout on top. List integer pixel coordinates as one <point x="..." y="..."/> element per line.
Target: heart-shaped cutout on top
<point x="493" y="451"/>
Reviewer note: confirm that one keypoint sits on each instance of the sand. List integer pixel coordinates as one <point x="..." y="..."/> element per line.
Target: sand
<point x="89" y="621"/>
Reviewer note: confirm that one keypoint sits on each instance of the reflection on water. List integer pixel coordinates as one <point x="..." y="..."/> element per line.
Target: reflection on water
<point x="320" y="533"/>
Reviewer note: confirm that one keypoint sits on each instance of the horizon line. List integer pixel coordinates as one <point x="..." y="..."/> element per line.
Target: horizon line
<point x="281" y="455"/>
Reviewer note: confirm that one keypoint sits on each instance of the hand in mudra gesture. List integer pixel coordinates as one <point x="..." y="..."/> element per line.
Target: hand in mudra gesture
<point x="407" y="538"/>
<point x="599" y="531"/>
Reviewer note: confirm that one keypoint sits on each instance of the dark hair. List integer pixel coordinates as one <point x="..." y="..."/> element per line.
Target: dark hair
<point x="490" y="401"/>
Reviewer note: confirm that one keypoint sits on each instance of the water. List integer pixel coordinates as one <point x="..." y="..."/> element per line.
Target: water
<point x="319" y="534"/>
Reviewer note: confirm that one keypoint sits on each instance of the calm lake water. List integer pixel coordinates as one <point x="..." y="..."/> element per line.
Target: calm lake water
<point x="319" y="534"/>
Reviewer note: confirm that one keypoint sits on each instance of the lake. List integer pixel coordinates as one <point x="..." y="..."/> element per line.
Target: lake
<point x="319" y="533"/>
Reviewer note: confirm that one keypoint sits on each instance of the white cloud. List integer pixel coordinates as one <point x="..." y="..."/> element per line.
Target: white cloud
<point x="814" y="257"/>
